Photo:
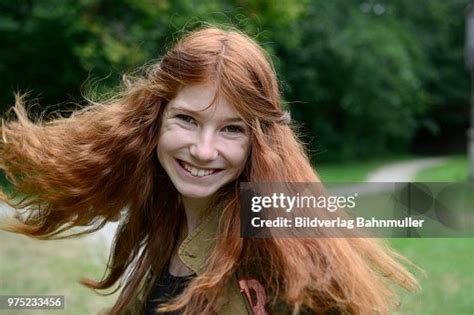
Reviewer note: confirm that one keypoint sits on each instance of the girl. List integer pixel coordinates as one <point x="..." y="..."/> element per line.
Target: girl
<point x="171" y="149"/>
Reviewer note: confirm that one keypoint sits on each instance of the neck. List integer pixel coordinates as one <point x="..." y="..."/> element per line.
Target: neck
<point x="195" y="209"/>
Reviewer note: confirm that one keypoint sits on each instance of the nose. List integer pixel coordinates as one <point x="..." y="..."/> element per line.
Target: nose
<point x="204" y="148"/>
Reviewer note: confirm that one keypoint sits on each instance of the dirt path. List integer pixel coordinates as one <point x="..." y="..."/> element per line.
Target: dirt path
<point x="403" y="171"/>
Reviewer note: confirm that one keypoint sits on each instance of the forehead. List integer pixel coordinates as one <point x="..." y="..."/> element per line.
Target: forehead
<point x="202" y="99"/>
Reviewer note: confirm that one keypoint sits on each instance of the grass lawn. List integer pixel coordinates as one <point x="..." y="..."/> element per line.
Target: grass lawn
<point x="448" y="287"/>
<point x="33" y="267"/>
<point x="454" y="170"/>
<point x="355" y="171"/>
<point x="449" y="263"/>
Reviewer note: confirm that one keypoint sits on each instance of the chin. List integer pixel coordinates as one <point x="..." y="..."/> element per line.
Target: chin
<point x="196" y="194"/>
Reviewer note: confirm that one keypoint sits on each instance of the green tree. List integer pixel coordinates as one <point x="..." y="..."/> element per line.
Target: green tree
<point x="363" y="76"/>
<point x="356" y="74"/>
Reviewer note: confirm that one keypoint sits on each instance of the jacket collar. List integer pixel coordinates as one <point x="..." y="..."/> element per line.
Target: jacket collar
<point x="198" y="245"/>
<point x="197" y="248"/>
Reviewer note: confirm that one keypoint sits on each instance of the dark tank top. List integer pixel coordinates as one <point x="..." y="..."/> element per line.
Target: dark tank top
<point x="164" y="289"/>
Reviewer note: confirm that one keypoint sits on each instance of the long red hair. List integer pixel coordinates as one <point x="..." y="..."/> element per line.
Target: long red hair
<point x="81" y="171"/>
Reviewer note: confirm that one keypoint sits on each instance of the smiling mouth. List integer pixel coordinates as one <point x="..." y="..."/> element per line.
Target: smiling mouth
<point x="197" y="172"/>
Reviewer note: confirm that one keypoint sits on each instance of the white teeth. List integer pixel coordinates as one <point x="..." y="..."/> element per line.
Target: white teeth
<point x="197" y="172"/>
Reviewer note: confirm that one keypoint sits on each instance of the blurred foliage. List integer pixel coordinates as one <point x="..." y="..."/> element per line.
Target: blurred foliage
<point x="364" y="77"/>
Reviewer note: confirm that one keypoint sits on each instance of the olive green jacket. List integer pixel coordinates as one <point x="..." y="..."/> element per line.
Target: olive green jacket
<point x="193" y="252"/>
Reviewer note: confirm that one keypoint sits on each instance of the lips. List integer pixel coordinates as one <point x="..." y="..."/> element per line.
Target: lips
<point x="197" y="172"/>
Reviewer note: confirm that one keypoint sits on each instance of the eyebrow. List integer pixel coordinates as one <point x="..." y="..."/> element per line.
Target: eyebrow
<point x="176" y="107"/>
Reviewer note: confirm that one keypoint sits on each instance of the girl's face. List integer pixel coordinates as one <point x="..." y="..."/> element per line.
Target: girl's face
<point x="202" y="147"/>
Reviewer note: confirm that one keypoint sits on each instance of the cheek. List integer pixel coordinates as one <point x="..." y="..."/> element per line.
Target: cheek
<point x="164" y="147"/>
<point x="171" y="138"/>
<point x="238" y="156"/>
<point x="160" y="152"/>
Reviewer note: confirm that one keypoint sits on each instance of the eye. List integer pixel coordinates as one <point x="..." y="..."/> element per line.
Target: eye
<point x="185" y="118"/>
<point x="234" y="129"/>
